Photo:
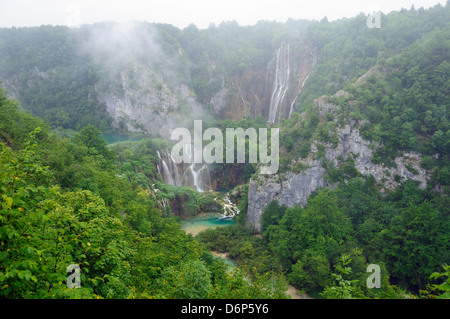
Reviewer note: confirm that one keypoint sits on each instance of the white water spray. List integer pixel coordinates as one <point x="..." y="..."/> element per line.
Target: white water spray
<point x="281" y="82"/>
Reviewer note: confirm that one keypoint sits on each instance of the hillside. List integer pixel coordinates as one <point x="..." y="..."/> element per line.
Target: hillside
<point x="363" y="115"/>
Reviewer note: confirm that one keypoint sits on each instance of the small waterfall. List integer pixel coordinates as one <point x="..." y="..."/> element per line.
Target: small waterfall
<point x="176" y="173"/>
<point x="281" y="82"/>
<point x="229" y="208"/>
<point x="162" y="202"/>
<point x="170" y="172"/>
<point x="204" y="179"/>
<point x="190" y="177"/>
<point x="195" y="175"/>
<point x="198" y="178"/>
<point x="167" y="174"/>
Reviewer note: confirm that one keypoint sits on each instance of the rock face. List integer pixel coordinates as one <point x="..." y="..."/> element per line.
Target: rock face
<point x="294" y="188"/>
<point x="142" y="101"/>
<point x="145" y="103"/>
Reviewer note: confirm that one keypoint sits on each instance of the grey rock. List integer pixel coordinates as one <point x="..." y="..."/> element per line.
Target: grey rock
<point x="294" y="188"/>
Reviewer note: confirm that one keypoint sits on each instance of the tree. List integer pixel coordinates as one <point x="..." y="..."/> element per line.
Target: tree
<point x="444" y="287"/>
<point x="345" y="289"/>
<point x="272" y="215"/>
<point x="92" y="137"/>
<point x="311" y="273"/>
<point x="189" y="280"/>
<point x="416" y="243"/>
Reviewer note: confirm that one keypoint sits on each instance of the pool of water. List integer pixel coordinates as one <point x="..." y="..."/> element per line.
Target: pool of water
<point x="204" y="221"/>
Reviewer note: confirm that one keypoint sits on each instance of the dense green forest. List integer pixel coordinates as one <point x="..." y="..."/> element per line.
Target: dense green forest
<point x="63" y="203"/>
<point x="401" y="103"/>
<point x="70" y="198"/>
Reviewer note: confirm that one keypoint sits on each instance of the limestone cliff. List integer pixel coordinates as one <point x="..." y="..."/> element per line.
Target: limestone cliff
<point x="144" y="102"/>
<point x="294" y="188"/>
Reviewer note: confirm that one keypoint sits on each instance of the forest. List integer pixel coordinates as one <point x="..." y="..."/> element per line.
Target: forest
<point x="70" y="198"/>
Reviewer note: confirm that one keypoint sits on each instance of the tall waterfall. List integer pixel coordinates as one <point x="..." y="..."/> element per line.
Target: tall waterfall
<point x="281" y="83"/>
<point x="295" y="100"/>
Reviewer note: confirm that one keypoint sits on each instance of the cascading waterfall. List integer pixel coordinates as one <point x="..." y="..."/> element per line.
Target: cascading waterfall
<point x="162" y="201"/>
<point x="195" y="175"/>
<point x="281" y="82"/>
<point x="167" y="174"/>
<point x="198" y="178"/>
<point x="190" y="177"/>
<point x="229" y="209"/>
<point x="204" y="179"/>
<point x="175" y="172"/>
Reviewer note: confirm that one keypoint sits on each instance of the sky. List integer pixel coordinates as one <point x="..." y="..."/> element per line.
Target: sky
<point x="181" y="13"/>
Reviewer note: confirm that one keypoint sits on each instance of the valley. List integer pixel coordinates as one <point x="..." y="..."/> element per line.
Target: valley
<point x="357" y="121"/>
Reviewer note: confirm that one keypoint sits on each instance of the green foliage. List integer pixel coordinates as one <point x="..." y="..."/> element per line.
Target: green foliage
<point x="312" y="272"/>
<point x="63" y="203"/>
<point x="345" y="289"/>
<point x="410" y="261"/>
<point x="92" y="138"/>
<point x="443" y="289"/>
<point x="75" y="200"/>
<point x="272" y="215"/>
<point x="190" y="280"/>
<point x="15" y="124"/>
<point x="347" y="48"/>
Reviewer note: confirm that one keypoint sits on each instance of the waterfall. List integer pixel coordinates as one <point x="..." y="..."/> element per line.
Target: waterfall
<point x="229" y="209"/>
<point x="195" y="175"/>
<point x="190" y="177"/>
<point x="304" y="81"/>
<point x="167" y="174"/>
<point x="162" y="203"/>
<point x="198" y="178"/>
<point x="175" y="172"/>
<point x="204" y="179"/>
<point x="295" y="100"/>
<point x="170" y="172"/>
<point x="281" y="82"/>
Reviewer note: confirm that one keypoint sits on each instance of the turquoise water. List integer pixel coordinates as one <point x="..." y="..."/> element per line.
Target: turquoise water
<point x="204" y="221"/>
<point x="230" y="263"/>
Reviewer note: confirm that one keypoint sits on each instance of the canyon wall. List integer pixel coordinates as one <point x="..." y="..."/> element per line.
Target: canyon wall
<point x="292" y="189"/>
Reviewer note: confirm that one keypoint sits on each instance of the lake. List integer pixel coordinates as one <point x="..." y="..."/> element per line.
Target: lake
<point x="204" y="221"/>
